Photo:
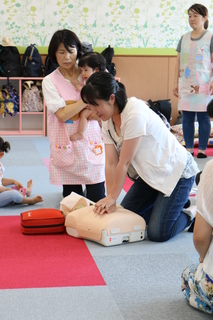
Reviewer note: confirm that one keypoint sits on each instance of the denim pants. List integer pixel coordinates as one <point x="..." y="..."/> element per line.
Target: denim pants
<point x="163" y="215"/>
<point x="7" y="197"/>
<point x="189" y="129"/>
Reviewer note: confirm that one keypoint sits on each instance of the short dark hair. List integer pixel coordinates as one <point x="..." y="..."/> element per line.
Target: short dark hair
<point x="68" y="38"/>
<point x="4" y="145"/>
<point x="100" y="86"/>
<point x="202" y="10"/>
<point x="93" y="60"/>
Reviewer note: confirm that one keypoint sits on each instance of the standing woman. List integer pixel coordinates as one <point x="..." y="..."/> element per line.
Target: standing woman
<point x="72" y="163"/>
<point x="138" y="142"/>
<point x="193" y="85"/>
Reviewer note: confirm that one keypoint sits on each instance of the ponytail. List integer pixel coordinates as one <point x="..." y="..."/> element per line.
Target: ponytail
<point x="100" y="86"/>
<point x="206" y="24"/>
<point x="4" y="145"/>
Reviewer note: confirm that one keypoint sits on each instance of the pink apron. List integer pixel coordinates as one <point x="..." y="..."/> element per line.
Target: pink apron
<point x="74" y="162"/>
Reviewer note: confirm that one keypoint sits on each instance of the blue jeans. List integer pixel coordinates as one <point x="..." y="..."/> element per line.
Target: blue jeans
<point x="7" y="197"/>
<point x="189" y="129"/>
<point x="163" y="215"/>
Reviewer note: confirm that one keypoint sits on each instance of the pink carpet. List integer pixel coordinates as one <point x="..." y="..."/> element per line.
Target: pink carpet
<point x="209" y="152"/>
<point x="46" y="162"/>
<point x="42" y="261"/>
<point x="128" y="183"/>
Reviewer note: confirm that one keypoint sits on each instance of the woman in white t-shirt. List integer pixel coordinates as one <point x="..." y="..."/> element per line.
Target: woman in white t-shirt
<point x="197" y="280"/>
<point x="138" y="143"/>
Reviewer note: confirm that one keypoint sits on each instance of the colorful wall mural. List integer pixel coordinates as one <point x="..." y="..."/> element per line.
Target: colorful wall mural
<point x="130" y="26"/>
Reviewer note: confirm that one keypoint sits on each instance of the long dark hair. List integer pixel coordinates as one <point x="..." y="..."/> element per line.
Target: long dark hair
<point x="68" y="38"/>
<point x="202" y="10"/>
<point x="4" y="145"/>
<point x="100" y="86"/>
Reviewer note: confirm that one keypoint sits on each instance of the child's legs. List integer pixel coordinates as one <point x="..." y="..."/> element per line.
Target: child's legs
<point x="82" y="125"/>
<point x="84" y="115"/>
<point x="197" y="289"/>
<point x="10" y="196"/>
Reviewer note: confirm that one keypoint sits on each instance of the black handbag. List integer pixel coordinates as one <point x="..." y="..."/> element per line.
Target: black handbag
<point x="164" y="106"/>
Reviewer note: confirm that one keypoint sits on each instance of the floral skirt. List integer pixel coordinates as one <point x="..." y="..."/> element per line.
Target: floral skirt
<point x="198" y="288"/>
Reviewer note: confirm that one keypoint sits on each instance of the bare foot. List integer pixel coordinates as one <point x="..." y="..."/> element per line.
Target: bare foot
<point x="34" y="200"/>
<point x="76" y="136"/>
<point x="29" y="188"/>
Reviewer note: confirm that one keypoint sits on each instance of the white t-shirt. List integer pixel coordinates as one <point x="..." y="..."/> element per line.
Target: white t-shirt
<point x="160" y="159"/>
<point x="205" y="209"/>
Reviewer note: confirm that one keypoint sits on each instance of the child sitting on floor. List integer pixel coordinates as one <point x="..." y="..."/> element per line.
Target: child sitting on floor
<point x="197" y="279"/>
<point x="89" y="63"/>
<point x="16" y="193"/>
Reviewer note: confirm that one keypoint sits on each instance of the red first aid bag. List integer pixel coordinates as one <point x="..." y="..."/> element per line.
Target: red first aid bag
<point x="44" y="220"/>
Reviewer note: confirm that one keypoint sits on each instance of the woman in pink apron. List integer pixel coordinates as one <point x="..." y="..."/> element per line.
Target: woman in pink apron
<point x="193" y="78"/>
<point x="72" y="163"/>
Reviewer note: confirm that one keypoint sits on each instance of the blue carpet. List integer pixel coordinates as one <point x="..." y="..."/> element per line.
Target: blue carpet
<point x="24" y="162"/>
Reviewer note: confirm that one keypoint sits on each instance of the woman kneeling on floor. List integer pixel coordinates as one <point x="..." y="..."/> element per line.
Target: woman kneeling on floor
<point x="136" y="138"/>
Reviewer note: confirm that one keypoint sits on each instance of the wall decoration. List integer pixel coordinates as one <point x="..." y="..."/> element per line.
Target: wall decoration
<point x="136" y="25"/>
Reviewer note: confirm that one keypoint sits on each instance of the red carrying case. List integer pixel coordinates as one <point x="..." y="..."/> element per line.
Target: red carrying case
<point x="44" y="220"/>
